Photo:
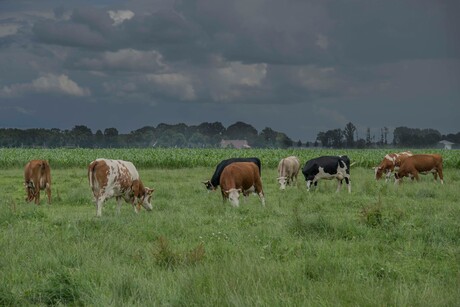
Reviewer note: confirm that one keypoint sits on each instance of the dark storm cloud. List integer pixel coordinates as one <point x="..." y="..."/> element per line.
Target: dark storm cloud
<point x="300" y="66"/>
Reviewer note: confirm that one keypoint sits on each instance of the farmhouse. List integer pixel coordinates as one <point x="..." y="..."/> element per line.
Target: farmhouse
<point x="238" y="144"/>
<point x="447" y="144"/>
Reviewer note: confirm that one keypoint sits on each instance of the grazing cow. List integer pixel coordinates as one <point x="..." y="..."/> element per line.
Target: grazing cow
<point x="390" y="163"/>
<point x="120" y="179"/>
<point x="288" y="169"/>
<point x="37" y="176"/>
<point x="420" y="164"/>
<point x="215" y="180"/>
<point x="240" y="177"/>
<point x="328" y="167"/>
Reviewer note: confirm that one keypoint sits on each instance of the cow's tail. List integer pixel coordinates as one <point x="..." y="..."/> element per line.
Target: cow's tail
<point x="91" y="172"/>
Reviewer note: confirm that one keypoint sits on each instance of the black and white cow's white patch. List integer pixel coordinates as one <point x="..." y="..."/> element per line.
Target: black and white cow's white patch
<point x="327" y="167"/>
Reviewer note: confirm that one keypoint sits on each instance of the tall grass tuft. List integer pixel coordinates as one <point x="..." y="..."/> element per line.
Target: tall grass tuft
<point x="165" y="257"/>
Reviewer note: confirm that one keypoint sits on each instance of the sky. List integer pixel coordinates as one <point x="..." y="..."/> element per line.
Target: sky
<point x="296" y="66"/>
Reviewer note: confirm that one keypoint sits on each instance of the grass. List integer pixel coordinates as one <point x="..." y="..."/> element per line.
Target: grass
<point x="380" y="245"/>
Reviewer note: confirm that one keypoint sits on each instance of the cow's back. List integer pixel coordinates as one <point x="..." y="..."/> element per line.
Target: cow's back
<point x="288" y="166"/>
<point x="422" y="162"/>
<point x="103" y="173"/>
<point x="215" y="180"/>
<point x="239" y="175"/>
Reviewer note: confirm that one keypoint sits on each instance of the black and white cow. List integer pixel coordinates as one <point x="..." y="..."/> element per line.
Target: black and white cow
<point x="328" y="167"/>
<point x="215" y="180"/>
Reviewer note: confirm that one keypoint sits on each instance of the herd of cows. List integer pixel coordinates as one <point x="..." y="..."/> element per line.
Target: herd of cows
<point x="120" y="179"/>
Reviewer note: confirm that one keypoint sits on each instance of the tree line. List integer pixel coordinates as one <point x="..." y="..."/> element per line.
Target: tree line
<point x="402" y="137"/>
<point x="164" y="135"/>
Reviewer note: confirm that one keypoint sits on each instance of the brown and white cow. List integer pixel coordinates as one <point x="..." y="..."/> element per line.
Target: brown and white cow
<point x="240" y="177"/>
<point x="420" y="164"/>
<point x="120" y="179"/>
<point x="288" y="169"/>
<point x="37" y="176"/>
<point x="389" y="163"/>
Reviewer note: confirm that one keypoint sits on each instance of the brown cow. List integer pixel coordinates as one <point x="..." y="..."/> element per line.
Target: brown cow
<point x="389" y="163"/>
<point x="37" y="176"/>
<point x="414" y="165"/>
<point x="240" y="177"/>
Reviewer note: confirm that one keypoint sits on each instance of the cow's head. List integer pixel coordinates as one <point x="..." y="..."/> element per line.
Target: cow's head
<point x="209" y="185"/>
<point x="283" y="181"/>
<point x="145" y="200"/>
<point x="233" y="196"/>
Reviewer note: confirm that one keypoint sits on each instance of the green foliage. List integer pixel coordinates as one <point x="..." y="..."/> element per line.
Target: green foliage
<point x="182" y="157"/>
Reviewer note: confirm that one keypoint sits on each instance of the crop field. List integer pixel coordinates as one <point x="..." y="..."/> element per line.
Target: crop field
<point x="380" y="245"/>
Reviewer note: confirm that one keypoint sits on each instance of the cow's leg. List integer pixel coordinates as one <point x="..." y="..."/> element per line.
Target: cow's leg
<point x="339" y="185"/>
<point x="416" y="176"/>
<point x="435" y="175"/>
<point x="37" y="196"/>
<point x="262" y="198"/>
<point x="388" y="175"/>
<point x="348" y="182"/>
<point x="441" y="177"/>
<point x="308" y="185"/>
<point x="99" y="203"/>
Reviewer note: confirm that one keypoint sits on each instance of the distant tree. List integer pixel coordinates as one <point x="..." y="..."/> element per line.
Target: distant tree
<point x="99" y="138"/>
<point x="299" y="143"/>
<point x="268" y="136"/>
<point x="198" y="140"/>
<point x="211" y="129"/>
<point x="414" y="137"/>
<point x="385" y="134"/>
<point x="82" y="136"/>
<point x="349" y="133"/>
<point x="240" y="130"/>
<point x="368" y="137"/>
<point x="111" y="137"/>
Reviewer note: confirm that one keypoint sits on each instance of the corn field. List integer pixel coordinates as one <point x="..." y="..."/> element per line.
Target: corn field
<point x="181" y="158"/>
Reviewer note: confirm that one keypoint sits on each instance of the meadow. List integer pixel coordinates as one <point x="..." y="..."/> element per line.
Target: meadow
<point x="380" y="245"/>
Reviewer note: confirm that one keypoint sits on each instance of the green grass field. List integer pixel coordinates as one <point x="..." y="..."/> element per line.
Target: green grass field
<point x="380" y="245"/>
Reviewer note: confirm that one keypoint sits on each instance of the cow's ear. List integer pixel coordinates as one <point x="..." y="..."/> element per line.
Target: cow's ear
<point x="149" y="191"/>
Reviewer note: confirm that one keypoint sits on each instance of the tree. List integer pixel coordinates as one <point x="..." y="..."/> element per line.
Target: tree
<point x="368" y="137"/>
<point x="240" y="130"/>
<point x="211" y="129"/>
<point x="349" y="134"/>
<point x="82" y="136"/>
<point x="385" y="134"/>
<point x="111" y="137"/>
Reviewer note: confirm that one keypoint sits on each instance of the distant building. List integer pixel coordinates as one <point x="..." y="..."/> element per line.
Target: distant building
<point x="238" y="144"/>
<point x="447" y="144"/>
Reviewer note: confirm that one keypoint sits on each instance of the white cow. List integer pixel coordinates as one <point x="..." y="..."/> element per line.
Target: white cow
<point x="120" y="179"/>
<point x="288" y="169"/>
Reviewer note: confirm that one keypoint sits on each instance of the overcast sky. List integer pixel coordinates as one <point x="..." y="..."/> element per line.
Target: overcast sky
<point x="299" y="67"/>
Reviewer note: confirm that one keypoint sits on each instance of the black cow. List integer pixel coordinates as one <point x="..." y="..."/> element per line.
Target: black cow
<point x="328" y="167"/>
<point x="215" y="180"/>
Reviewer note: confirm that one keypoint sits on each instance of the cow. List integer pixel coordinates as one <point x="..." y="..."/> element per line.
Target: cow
<point x="327" y="167"/>
<point x="240" y="177"/>
<point x="212" y="184"/>
<point x="288" y="169"/>
<point x="389" y="164"/>
<point x="37" y="176"/>
<point x="420" y="164"/>
<point x="119" y="179"/>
